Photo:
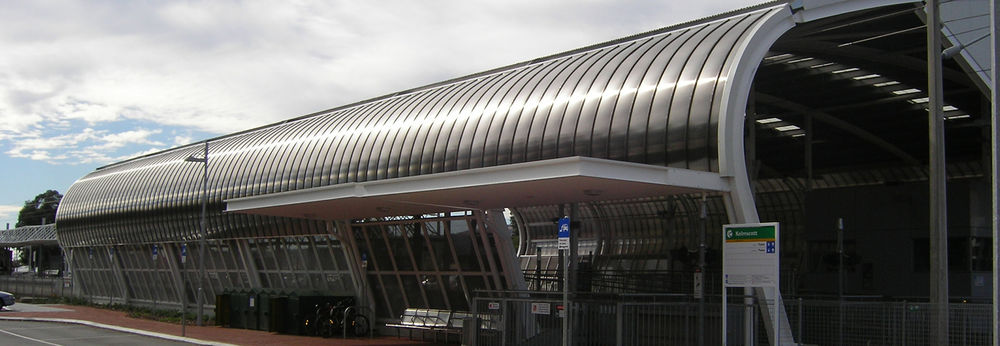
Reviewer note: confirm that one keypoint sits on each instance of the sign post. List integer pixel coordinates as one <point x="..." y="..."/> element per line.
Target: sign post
<point x="564" y="246"/>
<point x="750" y="258"/>
<point x="156" y="272"/>
<point x="184" y="257"/>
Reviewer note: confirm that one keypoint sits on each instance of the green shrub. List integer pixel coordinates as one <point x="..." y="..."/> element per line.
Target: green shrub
<point x="170" y="316"/>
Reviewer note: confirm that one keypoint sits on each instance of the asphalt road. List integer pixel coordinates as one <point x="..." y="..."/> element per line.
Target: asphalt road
<point x="28" y="333"/>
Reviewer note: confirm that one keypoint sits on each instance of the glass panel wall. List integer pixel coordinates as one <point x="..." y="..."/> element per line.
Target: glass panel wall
<point x="130" y="272"/>
<point x="431" y="261"/>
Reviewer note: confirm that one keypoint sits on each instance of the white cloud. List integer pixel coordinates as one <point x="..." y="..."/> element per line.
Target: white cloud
<point x="86" y="146"/>
<point x="219" y="67"/>
<point x="9" y="211"/>
<point x="118" y="140"/>
<point x="182" y="140"/>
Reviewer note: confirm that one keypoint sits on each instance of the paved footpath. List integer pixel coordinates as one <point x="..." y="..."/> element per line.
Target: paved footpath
<point x="208" y="335"/>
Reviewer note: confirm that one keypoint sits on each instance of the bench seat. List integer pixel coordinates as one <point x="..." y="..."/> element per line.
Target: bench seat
<point x="430" y="320"/>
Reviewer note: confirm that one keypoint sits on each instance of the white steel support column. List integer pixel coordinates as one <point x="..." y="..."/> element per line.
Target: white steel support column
<point x="739" y="199"/>
<point x="116" y="268"/>
<point x="341" y="230"/>
<point x="253" y="274"/>
<point x="505" y="249"/>
<point x="74" y="279"/>
<point x="172" y="259"/>
<point x="484" y="232"/>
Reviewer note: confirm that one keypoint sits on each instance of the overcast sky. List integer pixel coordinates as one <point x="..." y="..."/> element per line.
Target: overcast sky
<point x="83" y="84"/>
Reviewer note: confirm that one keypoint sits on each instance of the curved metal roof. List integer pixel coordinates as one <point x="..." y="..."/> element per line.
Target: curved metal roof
<point x="651" y="99"/>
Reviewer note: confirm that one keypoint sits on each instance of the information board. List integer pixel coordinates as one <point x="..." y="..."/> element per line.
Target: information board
<point x="750" y="258"/>
<point x="564" y="233"/>
<point x="750" y="255"/>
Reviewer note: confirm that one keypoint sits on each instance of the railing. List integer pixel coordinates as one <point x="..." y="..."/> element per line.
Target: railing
<point x="631" y="281"/>
<point x="885" y="323"/>
<point x="533" y="318"/>
<point x="34" y="286"/>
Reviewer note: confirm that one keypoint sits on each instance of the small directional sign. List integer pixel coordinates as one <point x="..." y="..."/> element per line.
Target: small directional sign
<point x="184" y="253"/>
<point x="564" y="233"/>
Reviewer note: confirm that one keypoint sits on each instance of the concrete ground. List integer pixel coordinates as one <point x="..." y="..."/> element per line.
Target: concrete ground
<point x="207" y="335"/>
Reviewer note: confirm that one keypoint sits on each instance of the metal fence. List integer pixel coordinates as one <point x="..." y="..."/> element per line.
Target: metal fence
<point x="885" y="323"/>
<point x="533" y="318"/>
<point x="33" y="286"/>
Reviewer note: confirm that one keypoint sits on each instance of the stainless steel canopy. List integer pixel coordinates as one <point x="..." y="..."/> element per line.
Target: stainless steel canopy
<point x="652" y="99"/>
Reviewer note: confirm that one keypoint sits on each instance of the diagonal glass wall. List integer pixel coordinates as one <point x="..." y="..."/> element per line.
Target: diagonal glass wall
<point x="138" y="274"/>
<point x="431" y="261"/>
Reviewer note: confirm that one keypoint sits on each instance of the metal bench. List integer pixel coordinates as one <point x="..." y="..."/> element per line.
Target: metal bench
<point x="430" y="320"/>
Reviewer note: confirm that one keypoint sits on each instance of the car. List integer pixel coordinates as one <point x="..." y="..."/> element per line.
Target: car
<point x="6" y="299"/>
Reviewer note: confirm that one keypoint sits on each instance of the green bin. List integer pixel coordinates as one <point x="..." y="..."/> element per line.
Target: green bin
<point x="222" y="310"/>
<point x="237" y="306"/>
<point x="279" y="314"/>
<point x="251" y="304"/>
<point x="264" y="311"/>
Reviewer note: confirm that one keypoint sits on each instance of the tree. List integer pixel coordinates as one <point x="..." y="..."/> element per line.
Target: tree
<point x="42" y="208"/>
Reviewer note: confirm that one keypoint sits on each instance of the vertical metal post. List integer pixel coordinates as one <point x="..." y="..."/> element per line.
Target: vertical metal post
<point x="725" y="315"/>
<point x="701" y="270"/>
<point x="905" y="307"/>
<point x="799" y="336"/>
<point x="619" y="324"/>
<point x="574" y="246"/>
<point x="156" y="274"/>
<point x="995" y="168"/>
<point x="201" y="239"/>
<point x="183" y="291"/>
<point x="538" y="268"/>
<point x="749" y="317"/>
<point x="840" y="281"/>
<point x="938" y="179"/>
<point x="809" y="152"/>
<point x="474" y="337"/>
<point x="565" y="321"/>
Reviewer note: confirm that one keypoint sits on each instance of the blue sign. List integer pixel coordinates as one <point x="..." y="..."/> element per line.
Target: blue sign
<point x="564" y="233"/>
<point x="564" y="227"/>
<point x="184" y="253"/>
<point x="769" y="247"/>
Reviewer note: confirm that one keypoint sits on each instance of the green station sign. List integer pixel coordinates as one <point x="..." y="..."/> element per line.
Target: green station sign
<point x="750" y="234"/>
